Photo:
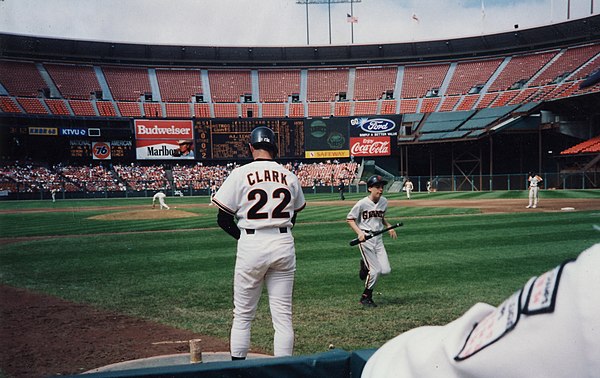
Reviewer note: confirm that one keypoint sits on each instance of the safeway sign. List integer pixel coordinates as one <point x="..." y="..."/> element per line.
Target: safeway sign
<point x="370" y="146"/>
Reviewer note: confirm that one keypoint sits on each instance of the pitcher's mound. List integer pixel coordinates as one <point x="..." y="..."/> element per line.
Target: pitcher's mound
<point x="145" y="214"/>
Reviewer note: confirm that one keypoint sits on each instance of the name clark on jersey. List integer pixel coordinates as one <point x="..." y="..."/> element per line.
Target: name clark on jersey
<point x="373" y="214"/>
<point x="266" y="175"/>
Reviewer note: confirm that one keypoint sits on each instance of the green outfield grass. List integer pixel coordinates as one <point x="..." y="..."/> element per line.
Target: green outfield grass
<point x="444" y="261"/>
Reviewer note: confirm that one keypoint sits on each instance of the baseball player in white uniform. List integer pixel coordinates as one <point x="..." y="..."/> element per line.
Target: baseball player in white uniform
<point x="548" y="328"/>
<point x="265" y="198"/>
<point x="408" y="187"/>
<point x="534" y="180"/>
<point x="160" y="197"/>
<point x="368" y="215"/>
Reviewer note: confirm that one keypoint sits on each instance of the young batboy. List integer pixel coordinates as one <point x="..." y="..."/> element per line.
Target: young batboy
<point x="368" y="215"/>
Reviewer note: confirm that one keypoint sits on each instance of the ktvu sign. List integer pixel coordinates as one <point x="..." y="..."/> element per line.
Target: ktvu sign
<point x="76" y="132"/>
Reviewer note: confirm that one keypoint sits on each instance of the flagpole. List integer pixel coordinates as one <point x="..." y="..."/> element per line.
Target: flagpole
<point x="307" y="35"/>
<point x="329" y="7"/>
<point x="568" y="9"/>
<point x="352" y="23"/>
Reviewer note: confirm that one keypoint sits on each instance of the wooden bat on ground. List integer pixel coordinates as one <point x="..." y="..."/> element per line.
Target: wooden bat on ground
<point x="355" y="241"/>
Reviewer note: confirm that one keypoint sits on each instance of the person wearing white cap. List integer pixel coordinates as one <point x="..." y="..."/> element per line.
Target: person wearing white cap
<point x="548" y="328"/>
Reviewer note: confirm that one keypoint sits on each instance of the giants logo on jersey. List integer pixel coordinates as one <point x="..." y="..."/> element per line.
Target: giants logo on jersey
<point x="372" y="214"/>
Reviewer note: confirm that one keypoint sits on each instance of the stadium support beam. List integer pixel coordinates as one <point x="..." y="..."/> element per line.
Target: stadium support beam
<point x="328" y="2"/>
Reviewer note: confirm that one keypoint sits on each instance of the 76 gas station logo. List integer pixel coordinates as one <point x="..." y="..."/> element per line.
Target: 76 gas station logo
<point x="101" y="150"/>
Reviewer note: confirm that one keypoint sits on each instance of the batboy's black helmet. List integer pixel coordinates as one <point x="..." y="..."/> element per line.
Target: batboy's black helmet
<point x="374" y="180"/>
<point x="263" y="138"/>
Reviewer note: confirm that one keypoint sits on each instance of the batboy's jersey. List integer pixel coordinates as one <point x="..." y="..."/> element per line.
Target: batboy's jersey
<point x="369" y="215"/>
<point x="261" y="194"/>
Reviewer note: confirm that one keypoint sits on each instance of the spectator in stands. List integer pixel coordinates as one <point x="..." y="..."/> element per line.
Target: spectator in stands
<point x="548" y="328"/>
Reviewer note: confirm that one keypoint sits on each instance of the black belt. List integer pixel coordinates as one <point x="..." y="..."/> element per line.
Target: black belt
<point x="282" y="230"/>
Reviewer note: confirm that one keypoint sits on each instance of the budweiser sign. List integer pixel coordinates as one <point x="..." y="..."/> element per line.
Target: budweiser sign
<point x="373" y="146"/>
<point x="160" y="129"/>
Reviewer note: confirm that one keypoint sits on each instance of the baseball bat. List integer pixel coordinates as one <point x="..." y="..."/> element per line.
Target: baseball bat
<point x="355" y="241"/>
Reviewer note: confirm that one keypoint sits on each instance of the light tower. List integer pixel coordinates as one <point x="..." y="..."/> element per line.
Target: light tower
<point x="352" y="19"/>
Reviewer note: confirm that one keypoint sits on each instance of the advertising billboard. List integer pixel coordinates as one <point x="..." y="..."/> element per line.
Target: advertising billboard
<point x="164" y="139"/>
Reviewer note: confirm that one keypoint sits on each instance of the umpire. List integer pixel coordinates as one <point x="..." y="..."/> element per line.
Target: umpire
<point x="265" y="198"/>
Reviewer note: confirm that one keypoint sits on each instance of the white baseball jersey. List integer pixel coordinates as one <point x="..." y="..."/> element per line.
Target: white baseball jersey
<point x="534" y="181"/>
<point x="549" y="328"/>
<point x="261" y="194"/>
<point x="369" y="215"/>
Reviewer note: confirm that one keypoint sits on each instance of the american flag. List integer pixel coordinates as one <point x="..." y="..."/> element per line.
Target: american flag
<point x="351" y="19"/>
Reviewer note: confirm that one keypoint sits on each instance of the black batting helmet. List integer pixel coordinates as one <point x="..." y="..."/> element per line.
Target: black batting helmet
<point x="263" y="138"/>
<point x="375" y="180"/>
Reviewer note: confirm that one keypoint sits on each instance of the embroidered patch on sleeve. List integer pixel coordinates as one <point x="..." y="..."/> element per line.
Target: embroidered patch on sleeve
<point x="492" y="327"/>
<point x="541" y="297"/>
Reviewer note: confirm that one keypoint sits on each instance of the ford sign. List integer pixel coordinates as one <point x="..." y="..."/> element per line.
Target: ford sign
<point x="377" y="125"/>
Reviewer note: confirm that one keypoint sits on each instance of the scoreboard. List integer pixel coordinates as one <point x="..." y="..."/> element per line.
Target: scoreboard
<point x="228" y="138"/>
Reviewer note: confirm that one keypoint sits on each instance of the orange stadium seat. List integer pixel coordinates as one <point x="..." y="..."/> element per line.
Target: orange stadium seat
<point x="319" y="109"/>
<point x="21" y="78"/>
<point x="487" y="100"/>
<point x="106" y="108"/>
<point x="409" y="105"/>
<point x="202" y="110"/>
<point x="32" y="105"/>
<point x="388" y="107"/>
<point x="448" y="103"/>
<point x="127" y="83"/>
<point x="469" y="74"/>
<point x="57" y="107"/>
<point x="418" y="80"/>
<point x="467" y="102"/>
<point x="365" y="107"/>
<point x="429" y="105"/>
<point x="152" y="110"/>
<point x="342" y="109"/>
<point x="178" y="85"/>
<point x="82" y="108"/>
<point x="296" y="110"/>
<point x="175" y="110"/>
<point x="8" y="105"/>
<point x="129" y="108"/>
<point x="325" y="84"/>
<point x="226" y="110"/>
<point x="278" y="85"/>
<point x="372" y="83"/>
<point x="74" y="81"/>
<point x="229" y="85"/>
<point x="273" y="110"/>
<point x="521" y="68"/>
<point x="568" y="62"/>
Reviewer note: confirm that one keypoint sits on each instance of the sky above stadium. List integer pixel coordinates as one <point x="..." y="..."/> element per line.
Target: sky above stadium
<point x="279" y="22"/>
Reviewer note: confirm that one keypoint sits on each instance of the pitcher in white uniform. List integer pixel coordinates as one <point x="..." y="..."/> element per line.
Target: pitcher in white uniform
<point x="534" y="181"/>
<point x="265" y="198"/>
<point x="368" y="215"/>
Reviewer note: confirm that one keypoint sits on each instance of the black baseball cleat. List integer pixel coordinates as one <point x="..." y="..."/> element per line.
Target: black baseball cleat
<point x="363" y="272"/>
<point x="367" y="302"/>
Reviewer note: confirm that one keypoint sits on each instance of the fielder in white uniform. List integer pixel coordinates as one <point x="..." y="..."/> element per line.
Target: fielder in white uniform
<point x="160" y="197"/>
<point x="368" y="215"/>
<point x="548" y="328"/>
<point x="265" y="198"/>
<point x="408" y="187"/>
<point x="534" y="180"/>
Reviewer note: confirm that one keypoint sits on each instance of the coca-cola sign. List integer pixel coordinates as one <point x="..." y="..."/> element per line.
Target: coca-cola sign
<point x="371" y="146"/>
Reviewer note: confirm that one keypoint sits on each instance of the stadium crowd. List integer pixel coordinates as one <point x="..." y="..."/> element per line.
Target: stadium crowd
<point x="30" y="177"/>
